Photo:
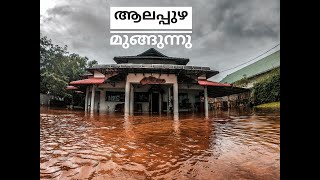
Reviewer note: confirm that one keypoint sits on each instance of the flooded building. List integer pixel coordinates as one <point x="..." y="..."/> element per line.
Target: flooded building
<point x="151" y="82"/>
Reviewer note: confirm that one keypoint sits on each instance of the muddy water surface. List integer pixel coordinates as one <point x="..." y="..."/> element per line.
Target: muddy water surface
<point x="229" y="145"/>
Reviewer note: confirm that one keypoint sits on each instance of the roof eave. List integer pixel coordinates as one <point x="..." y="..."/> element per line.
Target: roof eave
<point x="124" y="59"/>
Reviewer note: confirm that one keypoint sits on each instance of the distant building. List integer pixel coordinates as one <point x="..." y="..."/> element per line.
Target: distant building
<point x="246" y="77"/>
<point x="254" y="72"/>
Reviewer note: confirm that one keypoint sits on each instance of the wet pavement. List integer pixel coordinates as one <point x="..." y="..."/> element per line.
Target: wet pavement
<point x="239" y="144"/>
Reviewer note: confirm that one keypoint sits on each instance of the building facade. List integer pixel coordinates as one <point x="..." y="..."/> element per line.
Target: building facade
<point x="150" y="82"/>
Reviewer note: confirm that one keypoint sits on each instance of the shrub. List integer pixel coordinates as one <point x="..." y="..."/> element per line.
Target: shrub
<point x="267" y="90"/>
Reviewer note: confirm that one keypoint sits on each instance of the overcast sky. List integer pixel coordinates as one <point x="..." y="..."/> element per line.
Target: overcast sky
<point x="225" y="34"/>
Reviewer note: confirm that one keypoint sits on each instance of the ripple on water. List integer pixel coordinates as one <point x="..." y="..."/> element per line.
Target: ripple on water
<point x="228" y="145"/>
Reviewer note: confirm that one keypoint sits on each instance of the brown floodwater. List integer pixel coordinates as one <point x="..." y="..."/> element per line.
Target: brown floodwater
<point x="238" y="144"/>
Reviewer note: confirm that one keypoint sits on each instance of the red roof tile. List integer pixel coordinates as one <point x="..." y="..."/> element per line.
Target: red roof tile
<point x="88" y="81"/>
<point x="211" y="83"/>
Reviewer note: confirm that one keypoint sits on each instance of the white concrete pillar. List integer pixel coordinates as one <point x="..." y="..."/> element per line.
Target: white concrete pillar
<point x="131" y="100"/>
<point x="206" y="101"/>
<point x="102" y="101"/>
<point x="86" y="100"/>
<point x="92" y="98"/>
<point x="127" y="98"/>
<point x="175" y="99"/>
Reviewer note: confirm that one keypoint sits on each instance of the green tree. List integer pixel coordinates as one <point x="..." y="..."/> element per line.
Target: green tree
<point x="49" y="57"/>
<point x="92" y="63"/>
<point x="267" y="90"/>
<point x="58" y="67"/>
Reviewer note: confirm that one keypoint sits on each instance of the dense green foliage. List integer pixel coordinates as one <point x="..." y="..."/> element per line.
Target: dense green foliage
<point x="58" y="67"/>
<point x="267" y="90"/>
<point x="242" y="82"/>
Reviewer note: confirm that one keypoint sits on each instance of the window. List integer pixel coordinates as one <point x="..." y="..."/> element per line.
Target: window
<point x="141" y="97"/>
<point x="115" y="96"/>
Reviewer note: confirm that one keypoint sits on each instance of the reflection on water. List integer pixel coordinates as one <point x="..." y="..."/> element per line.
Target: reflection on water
<point x="228" y="145"/>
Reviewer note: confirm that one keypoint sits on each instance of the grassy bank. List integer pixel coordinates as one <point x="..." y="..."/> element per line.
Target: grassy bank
<point x="269" y="105"/>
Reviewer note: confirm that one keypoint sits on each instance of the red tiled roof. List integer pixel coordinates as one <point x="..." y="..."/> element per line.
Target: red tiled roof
<point x="88" y="81"/>
<point x="211" y="83"/>
<point x="71" y="88"/>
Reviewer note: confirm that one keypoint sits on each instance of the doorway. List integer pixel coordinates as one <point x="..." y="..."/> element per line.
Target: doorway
<point x="155" y="102"/>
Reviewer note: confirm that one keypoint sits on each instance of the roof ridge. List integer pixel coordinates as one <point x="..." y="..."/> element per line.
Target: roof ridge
<point x="152" y="51"/>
